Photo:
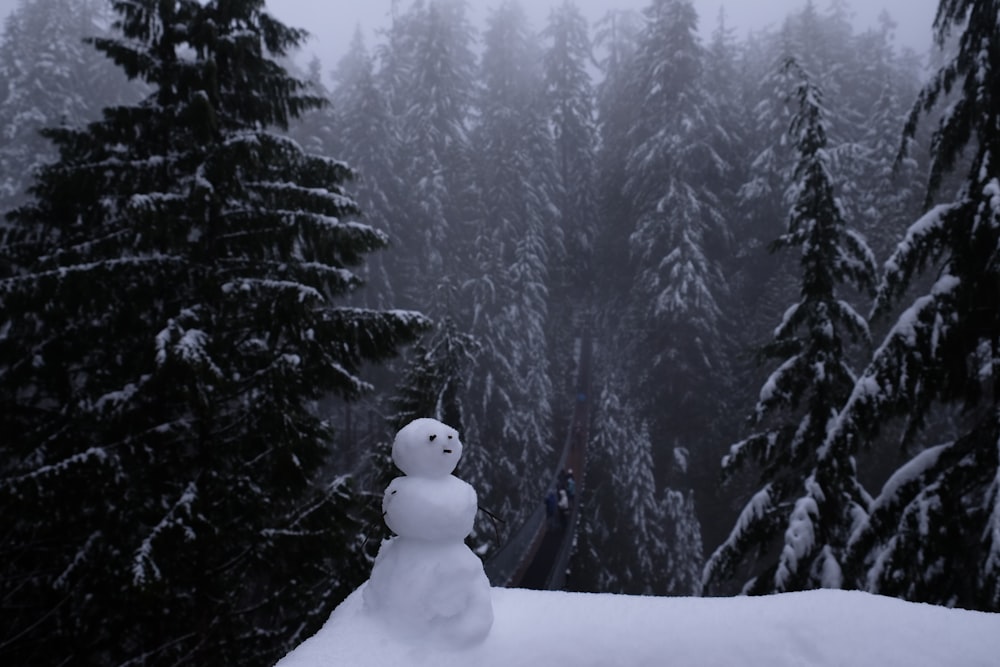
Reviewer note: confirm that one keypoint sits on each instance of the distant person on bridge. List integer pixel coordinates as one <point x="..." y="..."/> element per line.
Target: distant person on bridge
<point x="550" y="507"/>
<point x="563" y="508"/>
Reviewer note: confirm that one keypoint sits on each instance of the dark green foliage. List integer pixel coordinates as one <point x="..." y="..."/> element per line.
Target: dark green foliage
<point x="48" y="76"/>
<point x="363" y="132"/>
<point x="166" y="334"/>
<point x="569" y="101"/>
<point x="677" y="231"/>
<point x="810" y="490"/>
<point x="509" y="261"/>
<point x="571" y="108"/>
<point x="924" y="539"/>
<point x="428" y="81"/>
<point x="434" y="383"/>
<point x="944" y="348"/>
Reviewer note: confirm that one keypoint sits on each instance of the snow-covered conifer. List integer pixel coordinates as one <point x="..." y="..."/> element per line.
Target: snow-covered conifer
<point x="624" y="549"/>
<point x="571" y="240"/>
<point x="169" y="326"/>
<point x="571" y="107"/>
<point x="934" y="530"/>
<point x="365" y="134"/>
<point x="684" y="552"/>
<point x="513" y="166"/>
<point x="48" y="76"/>
<point x="428" y="77"/>
<point x="615" y="36"/>
<point x="802" y="517"/>
<point x="678" y="234"/>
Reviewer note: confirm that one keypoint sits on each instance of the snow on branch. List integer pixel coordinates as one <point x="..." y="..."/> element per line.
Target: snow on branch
<point x="302" y="293"/>
<point x="92" y="455"/>
<point x="800" y="536"/>
<point x="62" y="581"/>
<point x="911" y="253"/>
<point x="64" y="273"/>
<point x="187" y="345"/>
<point x="852" y="320"/>
<point x="777" y="389"/>
<point x="899" y="495"/>
<point x="991" y="538"/>
<point x="144" y="568"/>
<point x="756" y="511"/>
<point x="890" y="383"/>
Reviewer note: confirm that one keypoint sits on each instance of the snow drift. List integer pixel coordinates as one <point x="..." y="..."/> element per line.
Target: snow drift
<point x="816" y="628"/>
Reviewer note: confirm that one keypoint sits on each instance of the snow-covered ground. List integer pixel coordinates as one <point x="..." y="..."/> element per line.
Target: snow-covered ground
<point x="554" y="629"/>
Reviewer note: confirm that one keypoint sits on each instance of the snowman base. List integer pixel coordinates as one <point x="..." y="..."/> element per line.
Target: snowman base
<point x="433" y="591"/>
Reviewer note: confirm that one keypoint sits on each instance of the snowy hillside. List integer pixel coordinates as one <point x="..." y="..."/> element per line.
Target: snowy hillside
<point x="816" y="628"/>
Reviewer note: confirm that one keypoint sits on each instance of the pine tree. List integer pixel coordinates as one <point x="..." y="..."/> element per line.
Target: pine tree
<point x="616" y="36"/>
<point x="167" y="329"/>
<point x="428" y="78"/>
<point x="513" y="166"/>
<point x="933" y="533"/>
<point x="678" y="233"/>
<point x="48" y="76"/>
<point x="634" y="539"/>
<point x="367" y="137"/>
<point x="622" y="549"/>
<point x="685" y="556"/>
<point x="874" y="84"/>
<point x="570" y="102"/>
<point x="571" y="108"/>
<point x="800" y="520"/>
<point x="434" y="384"/>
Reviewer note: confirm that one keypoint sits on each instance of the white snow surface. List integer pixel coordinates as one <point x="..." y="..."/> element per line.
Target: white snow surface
<point x="428" y="602"/>
<point x="823" y="628"/>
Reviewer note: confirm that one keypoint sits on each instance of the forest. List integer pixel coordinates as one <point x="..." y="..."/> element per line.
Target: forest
<point x="227" y="278"/>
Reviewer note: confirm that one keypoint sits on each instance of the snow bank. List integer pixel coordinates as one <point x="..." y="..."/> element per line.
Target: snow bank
<point x="539" y="628"/>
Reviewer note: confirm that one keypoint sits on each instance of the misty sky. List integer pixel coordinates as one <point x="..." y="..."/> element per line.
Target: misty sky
<point x="330" y="36"/>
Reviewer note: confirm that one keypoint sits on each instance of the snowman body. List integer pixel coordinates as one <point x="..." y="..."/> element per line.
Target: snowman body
<point x="426" y="583"/>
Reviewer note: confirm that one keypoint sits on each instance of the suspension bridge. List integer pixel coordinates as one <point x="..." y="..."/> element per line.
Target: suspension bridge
<point x="537" y="554"/>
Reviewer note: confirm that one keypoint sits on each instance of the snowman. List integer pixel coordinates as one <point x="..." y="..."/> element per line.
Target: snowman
<point x="426" y="584"/>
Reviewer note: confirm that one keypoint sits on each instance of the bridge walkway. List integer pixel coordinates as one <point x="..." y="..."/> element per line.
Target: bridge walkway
<point x="537" y="554"/>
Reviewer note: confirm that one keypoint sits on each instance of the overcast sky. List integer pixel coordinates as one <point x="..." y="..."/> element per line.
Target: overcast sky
<point x="332" y="32"/>
<point x="331" y="35"/>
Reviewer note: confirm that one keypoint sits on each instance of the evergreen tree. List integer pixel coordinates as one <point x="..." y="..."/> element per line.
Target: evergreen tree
<point x="616" y="36"/>
<point x="571" y="108"/>
<point x="167" y="329"/>
<point x="685" y="556"/>
<point x="428" y="79"/>
<point x="883" y="196"/>
<point x="48" y="76"/>
<point x="315" y="129"/>
<point x="621" y="550"/>
<point x="513" y="166"/>
<point x="366" y="135"/>
<point x="570" y="100"/>
<point x="678" y="233"/>
<point x="800" y="520"/>
<point x="933" y="534"/>
<point x="654" y="546"/>
<point x="434" y="383"/>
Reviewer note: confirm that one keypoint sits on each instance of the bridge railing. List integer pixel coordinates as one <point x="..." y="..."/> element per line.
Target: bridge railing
<point x="503" y="565"/>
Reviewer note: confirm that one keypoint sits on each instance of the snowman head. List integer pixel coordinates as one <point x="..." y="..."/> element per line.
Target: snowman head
<point x="426" y="448"/>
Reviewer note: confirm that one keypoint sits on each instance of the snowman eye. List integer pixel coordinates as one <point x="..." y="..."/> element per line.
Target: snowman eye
<point x="449" y="437"/>
<point x="431" y="437"/>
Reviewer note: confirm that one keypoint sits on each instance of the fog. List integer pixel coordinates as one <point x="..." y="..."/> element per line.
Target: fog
<point x="330" y="36"/>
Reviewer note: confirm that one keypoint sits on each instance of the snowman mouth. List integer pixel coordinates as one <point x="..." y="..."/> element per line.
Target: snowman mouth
<point x="446" y="451"/>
